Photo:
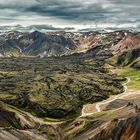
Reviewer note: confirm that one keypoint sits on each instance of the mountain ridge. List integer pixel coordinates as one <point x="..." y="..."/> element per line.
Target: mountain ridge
<point x="62" y="43"/>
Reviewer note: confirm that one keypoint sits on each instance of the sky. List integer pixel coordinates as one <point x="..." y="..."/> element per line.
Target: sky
<point x="78" y="14"/>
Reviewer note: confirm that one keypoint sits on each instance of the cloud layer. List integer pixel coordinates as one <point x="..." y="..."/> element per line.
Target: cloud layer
<point x="71" y="13"/>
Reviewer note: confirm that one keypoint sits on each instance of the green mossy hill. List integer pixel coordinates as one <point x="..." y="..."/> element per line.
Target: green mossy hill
<point x="136" y="63"/>
<point x="128" y="58"/>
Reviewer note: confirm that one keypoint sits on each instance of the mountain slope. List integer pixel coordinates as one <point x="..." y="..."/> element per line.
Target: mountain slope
<point x="128" y="57"/>
<point x="129" y="42"/>
<point x="35" y="44"/>
<point x="45" y="44"/>
<point x="125" y="129"/>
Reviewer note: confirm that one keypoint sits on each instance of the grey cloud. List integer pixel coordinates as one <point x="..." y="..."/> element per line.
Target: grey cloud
<point x="31" y="28"/>
<point x="80" y="11"/>
<point x="68" y="12"/>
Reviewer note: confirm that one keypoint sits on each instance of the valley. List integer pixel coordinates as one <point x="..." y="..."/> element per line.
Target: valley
<point x="69" y="86"/>
<point x="70" y="70"/>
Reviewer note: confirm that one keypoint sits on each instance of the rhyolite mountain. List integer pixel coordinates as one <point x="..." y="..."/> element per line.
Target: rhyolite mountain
<point x="64" y="43"/>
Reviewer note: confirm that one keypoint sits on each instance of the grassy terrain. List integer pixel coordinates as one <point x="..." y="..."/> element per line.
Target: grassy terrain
<point x="134" y="75"/>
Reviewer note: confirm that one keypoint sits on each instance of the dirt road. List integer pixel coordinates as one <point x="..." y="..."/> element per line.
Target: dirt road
<point x="98" y="105"/>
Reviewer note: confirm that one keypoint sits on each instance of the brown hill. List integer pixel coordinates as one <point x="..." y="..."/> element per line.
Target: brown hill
<point x="129" y="42"/>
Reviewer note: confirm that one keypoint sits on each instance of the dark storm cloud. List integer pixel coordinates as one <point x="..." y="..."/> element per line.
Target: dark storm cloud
<point x="69" y="12"/>
<point x="81" y="11"/>
<point x="59" y="9"/>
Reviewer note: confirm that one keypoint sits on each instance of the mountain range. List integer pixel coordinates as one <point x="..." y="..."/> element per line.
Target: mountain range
<point x="77" y="41"/>
<point x="38" y="44"/>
